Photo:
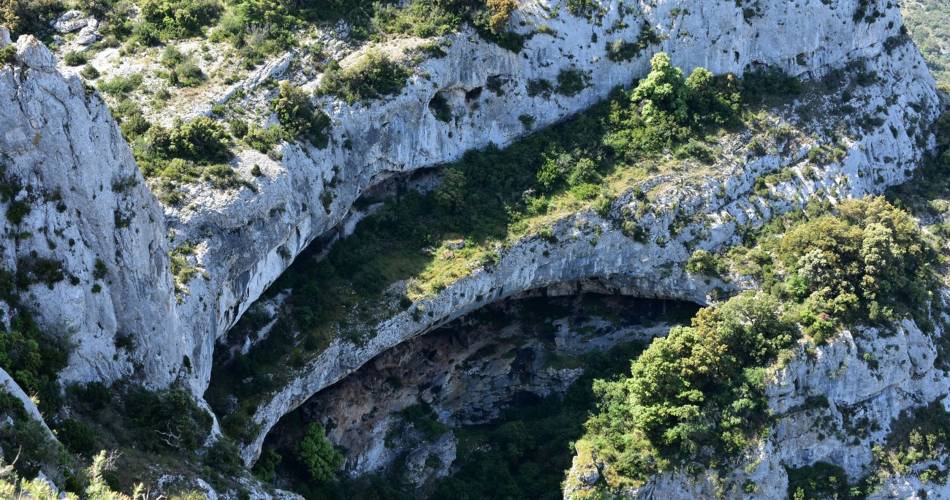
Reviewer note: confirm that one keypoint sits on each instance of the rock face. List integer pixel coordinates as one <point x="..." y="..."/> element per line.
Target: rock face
<point x="81" y="227"/>
<point x="247" y="241"/>
<point x="61" y="147"/>
<point x="244" y="242"/>
<point x="588" y="247"/>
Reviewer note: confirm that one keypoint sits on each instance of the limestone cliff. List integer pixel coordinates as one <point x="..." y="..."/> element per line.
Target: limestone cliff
<point x="245" y="240"/>
<point x="97" y="241"/>
<point x="587" y="246"/>
<point x="82" y="232"/>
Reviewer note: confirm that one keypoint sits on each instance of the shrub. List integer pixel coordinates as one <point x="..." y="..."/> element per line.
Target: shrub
<point x="440" y="108"/>
<point x="539" y="87"/>
<point x="182" y="69"/>
<point x="500" y="13"/>
<point x="201" y="140"/>
<point x="121" y="85"/>
<point x="78" y="437"/>
<point x="178" y="18"/>
<point x="622" y="50"/>
<point x="25" y="441"/>
<point x="29" y="16"/>
<point x="571" y="82"/>
<point x="704" y="263"/>
<point x="373" y="76"/>
<point x="299" y="118"/>
<point x="821" y="480"/>
<point x="261" y="139"/>
<point x="918" y="435"/>
<point x="266" y="468"/>
<point x="666" y="109"/>
<point x="33" y="357"/>
<point x="867" y="262"/>
<point x="8" y="54"/>
<point x="318" y="454"/>
<point x="238" y="128"/>
<point x="74" y="58"/>
<point x="168" y="419"/>
<point x="89" y="72"/>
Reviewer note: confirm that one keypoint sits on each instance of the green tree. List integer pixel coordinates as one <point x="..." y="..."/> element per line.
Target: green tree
<point x="298" y="116"/>
<point x="318" y="454"/>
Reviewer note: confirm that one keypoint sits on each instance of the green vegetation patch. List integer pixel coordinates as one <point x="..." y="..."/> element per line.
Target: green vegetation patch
<point x="188" y="152"/>
<point x="299" y="118"/>
<point x="927" y="21"/>
<point x="697" y="396"/>
<point x="865" y="262"/>
<point x="919" y="435"/>
<point x="821" y="480"/>
<point x="373" y="76"/>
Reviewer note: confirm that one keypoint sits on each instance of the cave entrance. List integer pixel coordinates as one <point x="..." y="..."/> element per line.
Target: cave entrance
<point x="487" y="403"/>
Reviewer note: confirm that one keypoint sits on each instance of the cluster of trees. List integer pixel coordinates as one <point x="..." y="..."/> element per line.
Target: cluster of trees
<point x="695" y="395"/>
<point x="867" y="261"/>
<point x="299" y="118"/>
<point x="666" y="109"/>
<point x="373" y="76"/>
<point x="172" y="19"/>
<point x="29" y="16"/>
<point x="187" y="152"/>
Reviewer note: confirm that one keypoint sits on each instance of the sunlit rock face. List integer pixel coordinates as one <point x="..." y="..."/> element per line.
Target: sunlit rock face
<point x="117" y="304"/>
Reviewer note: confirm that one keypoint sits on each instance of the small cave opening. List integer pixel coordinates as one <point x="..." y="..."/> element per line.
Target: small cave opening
<point x="488" y="402"/>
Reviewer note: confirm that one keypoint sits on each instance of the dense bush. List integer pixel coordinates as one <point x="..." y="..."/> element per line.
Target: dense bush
<point x="259" y="27"/>
<point x="182" y="70"/>
<point x="32" y="357"/>
<point x="201" y="140"/>
<point x="298" y="116"/>
<point x="571" y="82"/>
<point x="695" y="395"/>
<point x="821" y="480"/>
<point x="24" y="440"/>
<point x="166" y="420"/>
<point x="918" y="435"/>
<point x="866" y="262"/>
<point x="188" y="152"/>
<point x="373" y="76"/>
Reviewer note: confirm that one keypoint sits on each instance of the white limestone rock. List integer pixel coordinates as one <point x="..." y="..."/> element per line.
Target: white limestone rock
<point x="90" y="212"/>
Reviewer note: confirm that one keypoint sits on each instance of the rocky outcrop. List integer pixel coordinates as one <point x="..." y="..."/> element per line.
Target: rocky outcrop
<point x="116" y="300"/>
<point x="82" y="232"/>
<point x="586" y="246"/>
<point x="245" y="241"/>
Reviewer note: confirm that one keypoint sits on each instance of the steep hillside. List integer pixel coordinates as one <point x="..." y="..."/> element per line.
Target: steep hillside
<point x="219" y="213"/>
